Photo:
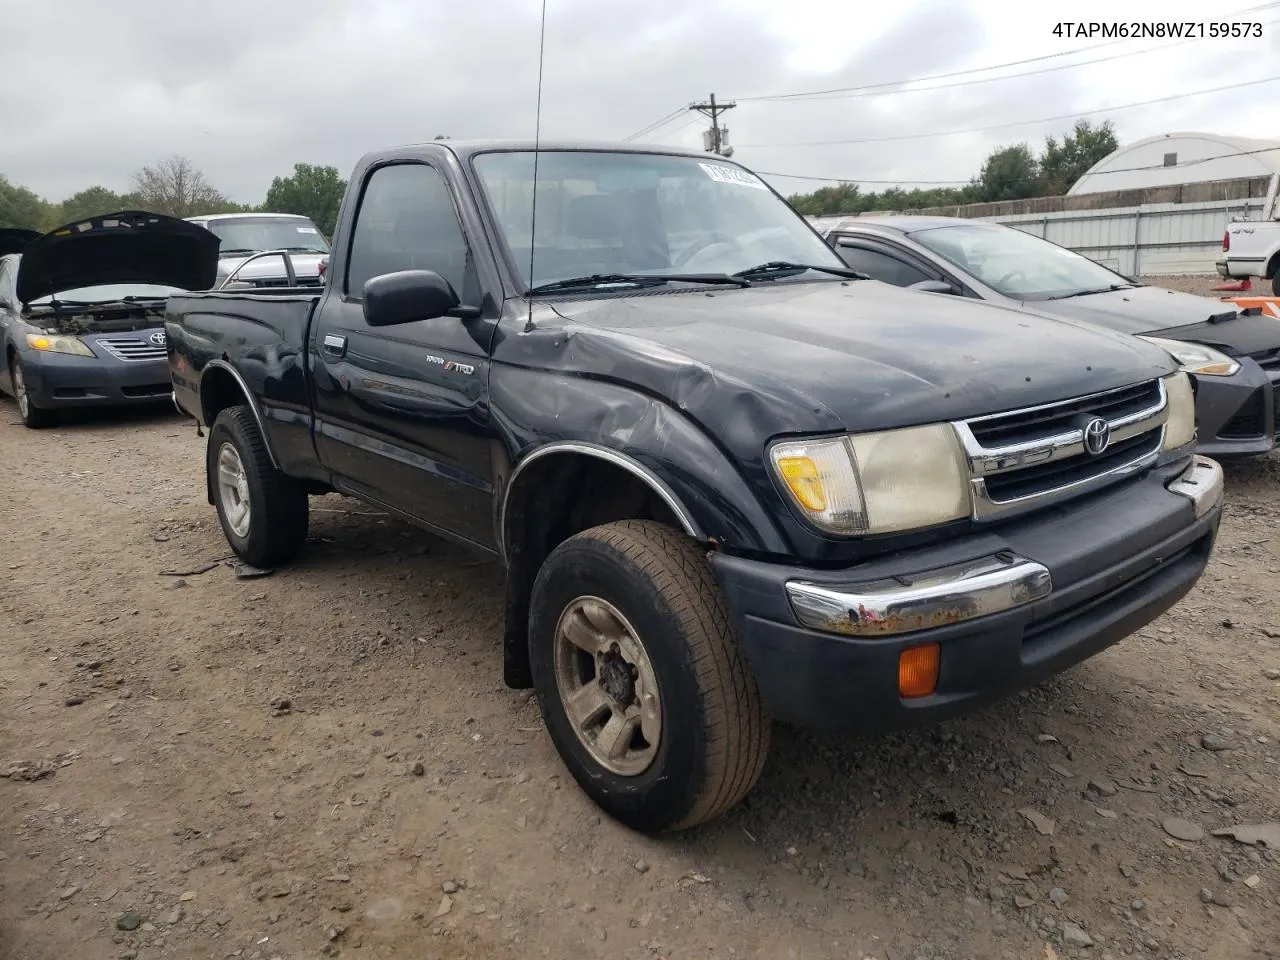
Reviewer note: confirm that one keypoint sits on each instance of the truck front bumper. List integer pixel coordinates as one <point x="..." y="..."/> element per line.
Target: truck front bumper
<point x="1007" y="607"/>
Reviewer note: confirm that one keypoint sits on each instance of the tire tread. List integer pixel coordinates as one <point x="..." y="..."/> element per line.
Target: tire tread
<point x="737" y="726"/>
<point x="285" y="509"/>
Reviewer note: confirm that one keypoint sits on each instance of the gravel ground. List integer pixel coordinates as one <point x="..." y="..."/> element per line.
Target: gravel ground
<point x="1203" y="285"/>
<point x="324" y="761"/>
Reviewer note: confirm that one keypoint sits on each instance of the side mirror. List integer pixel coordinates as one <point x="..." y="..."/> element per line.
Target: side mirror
<point x="933" y="286"/>
<point x="405" y="296"/>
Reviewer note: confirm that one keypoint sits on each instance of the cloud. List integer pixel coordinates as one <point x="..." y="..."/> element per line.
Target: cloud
<point x="245" y="89"/>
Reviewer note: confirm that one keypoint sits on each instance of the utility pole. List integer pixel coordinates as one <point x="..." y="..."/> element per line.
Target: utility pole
<point x="716" y="139"/>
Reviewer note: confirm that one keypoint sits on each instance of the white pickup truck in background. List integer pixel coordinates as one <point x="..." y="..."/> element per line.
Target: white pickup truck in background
<point x="1251" y="248"/>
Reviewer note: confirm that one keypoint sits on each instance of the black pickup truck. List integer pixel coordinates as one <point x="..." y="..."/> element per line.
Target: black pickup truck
<point x="731" y="480"/>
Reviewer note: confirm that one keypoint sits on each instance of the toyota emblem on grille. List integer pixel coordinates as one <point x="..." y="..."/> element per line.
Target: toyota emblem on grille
<point x="157" y="338"/>
<point x="1097" y="435"/>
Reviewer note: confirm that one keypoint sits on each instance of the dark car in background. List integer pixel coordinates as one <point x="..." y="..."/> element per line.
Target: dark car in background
<point x="1232" y="355"/>
<point x="82" y="309"/>
<point x="251" y="247"/>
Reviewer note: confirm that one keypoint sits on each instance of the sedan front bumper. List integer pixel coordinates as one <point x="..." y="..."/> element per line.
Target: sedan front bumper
<point x="1237" y="416"/>
<point x="57" y="381"/>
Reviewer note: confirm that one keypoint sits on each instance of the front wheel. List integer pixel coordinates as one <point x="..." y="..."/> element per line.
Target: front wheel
<point x="264" y="514"/>
<point x="1275" y="280"/>
<point x="32" y="416"/>
<point x="646" y="695"/>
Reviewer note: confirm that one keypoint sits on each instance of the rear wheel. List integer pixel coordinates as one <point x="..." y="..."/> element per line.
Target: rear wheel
<point x="1275" y="277"/>
<point x="32" y="416"/>
<point x="645" y="692"/>
<point x="264" y="514"/>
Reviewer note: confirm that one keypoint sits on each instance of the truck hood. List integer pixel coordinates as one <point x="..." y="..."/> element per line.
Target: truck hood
<point x="860" y="355"/>
<point x="131" y="246"/>
<point x="1170" y="314"/>
<point x="15" y="240"/>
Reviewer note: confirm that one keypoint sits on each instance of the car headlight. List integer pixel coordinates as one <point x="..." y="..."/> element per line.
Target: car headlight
<point x="58" y="344"/>
<point x="1197" y="358"/>
<point x="1180" y="428"/>
<point x="885" y="482"/>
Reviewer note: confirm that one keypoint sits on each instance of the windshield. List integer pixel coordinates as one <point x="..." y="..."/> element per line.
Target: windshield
<point x="637" y="213"/>
<point x="1018" y="264"/>
<point x="110" y="292"/>
<point x="259" y="234"/>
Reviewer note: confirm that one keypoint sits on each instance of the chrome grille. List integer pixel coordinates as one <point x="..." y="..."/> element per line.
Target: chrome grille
<point x="1026" y="459"/>
<point x="132" y="348"/>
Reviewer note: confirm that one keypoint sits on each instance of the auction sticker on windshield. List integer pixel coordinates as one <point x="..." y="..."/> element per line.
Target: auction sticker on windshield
<point x="306" y="229"/>
<point x="734" y="175"/>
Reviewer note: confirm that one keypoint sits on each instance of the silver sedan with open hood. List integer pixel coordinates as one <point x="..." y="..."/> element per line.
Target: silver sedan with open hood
<point x="82" y="309"/>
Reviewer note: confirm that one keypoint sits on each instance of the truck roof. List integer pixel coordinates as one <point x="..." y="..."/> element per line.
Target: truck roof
<point x="241" y="216"/>
<point x="464" y="149"/>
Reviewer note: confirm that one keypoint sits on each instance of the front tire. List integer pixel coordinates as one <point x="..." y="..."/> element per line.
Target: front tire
<point x="646" y="694"/>
<point x="264" y="514"/>
<point x="36" y="418"/>
<point x="1275" y="278"/>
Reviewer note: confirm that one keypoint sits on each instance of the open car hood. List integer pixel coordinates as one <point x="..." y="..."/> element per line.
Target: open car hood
<point x="130" y="246"/>
<point x="15" y="239"/>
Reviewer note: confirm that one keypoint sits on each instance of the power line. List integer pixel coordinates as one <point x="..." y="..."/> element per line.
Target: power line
<point x="1038" y="179"/>
<point x="1019" y="123"/>
<point x="677" y="112"/>
<point x="850" y="93"/>
<point x="973" y="70"/>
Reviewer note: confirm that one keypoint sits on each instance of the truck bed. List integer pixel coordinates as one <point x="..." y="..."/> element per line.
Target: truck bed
<point x="259" y="339"/>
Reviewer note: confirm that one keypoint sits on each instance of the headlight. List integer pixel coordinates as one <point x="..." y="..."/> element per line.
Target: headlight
<point x="1180" y="428"/>
<point x="869" y="483"/>
<point x="1197" y="358"/>
<point x="56" y="344"/>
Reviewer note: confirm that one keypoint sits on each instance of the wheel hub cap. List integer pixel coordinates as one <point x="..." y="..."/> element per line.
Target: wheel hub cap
<point x="607" y="686"/>
<point x="233" y="490"/>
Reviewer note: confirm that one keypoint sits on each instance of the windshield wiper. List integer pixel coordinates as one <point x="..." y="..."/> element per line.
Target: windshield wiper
<point x="640" y="279"/>
<point x="781" y="268"/>
<point x="1085" y="293"/>
<point x="234" y="250"/>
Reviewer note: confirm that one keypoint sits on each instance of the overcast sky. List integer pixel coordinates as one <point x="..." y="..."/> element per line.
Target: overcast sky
<point x="246" y="88"/>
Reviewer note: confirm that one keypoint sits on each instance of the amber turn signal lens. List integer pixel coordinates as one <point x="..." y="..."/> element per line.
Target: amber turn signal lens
<point x="918" y="670"/>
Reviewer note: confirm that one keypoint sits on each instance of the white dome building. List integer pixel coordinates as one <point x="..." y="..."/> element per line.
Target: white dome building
<point x="1177" y="158"/>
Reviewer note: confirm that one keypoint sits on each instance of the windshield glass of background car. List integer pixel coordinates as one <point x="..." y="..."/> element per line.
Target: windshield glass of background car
<point x="637" y="213"/>
<point x="1016" y="264"/>
<point x="108" y="292"/>
<point x="264" y="233"/>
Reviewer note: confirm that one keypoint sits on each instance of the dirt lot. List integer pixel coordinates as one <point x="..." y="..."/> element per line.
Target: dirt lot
<point x="155" y="804"/>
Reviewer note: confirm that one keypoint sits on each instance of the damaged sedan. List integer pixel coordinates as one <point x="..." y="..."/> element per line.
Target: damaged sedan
<point x="1231" y="354"/>
<point x="82" y="309"/>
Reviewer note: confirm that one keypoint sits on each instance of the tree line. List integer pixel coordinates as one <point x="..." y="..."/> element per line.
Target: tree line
<point x="1011" y="172"/>
<point x="176" y="187"/>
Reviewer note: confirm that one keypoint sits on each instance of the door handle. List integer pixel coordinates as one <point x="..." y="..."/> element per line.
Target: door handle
<point x="335" y="345"/>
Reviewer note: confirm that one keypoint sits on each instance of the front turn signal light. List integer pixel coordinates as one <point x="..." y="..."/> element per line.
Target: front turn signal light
<point x="918" y="670"/>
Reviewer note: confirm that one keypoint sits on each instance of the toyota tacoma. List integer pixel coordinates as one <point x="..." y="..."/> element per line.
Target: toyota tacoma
<point x="731" y="480"/>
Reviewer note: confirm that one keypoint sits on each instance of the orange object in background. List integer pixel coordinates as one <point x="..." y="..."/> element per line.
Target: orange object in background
<point x="1270" y="305"/>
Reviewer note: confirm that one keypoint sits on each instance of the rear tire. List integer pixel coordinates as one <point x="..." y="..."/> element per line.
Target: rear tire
<point x="1275" y="278"/>
<point x="33" y="417"/>
<point x="664" y="665"/>
<point x="264" y="514"/>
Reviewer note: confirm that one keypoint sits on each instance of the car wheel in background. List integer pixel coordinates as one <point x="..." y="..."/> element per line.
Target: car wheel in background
<point x="264" y="514"/>
<point x="32" y="416"/>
